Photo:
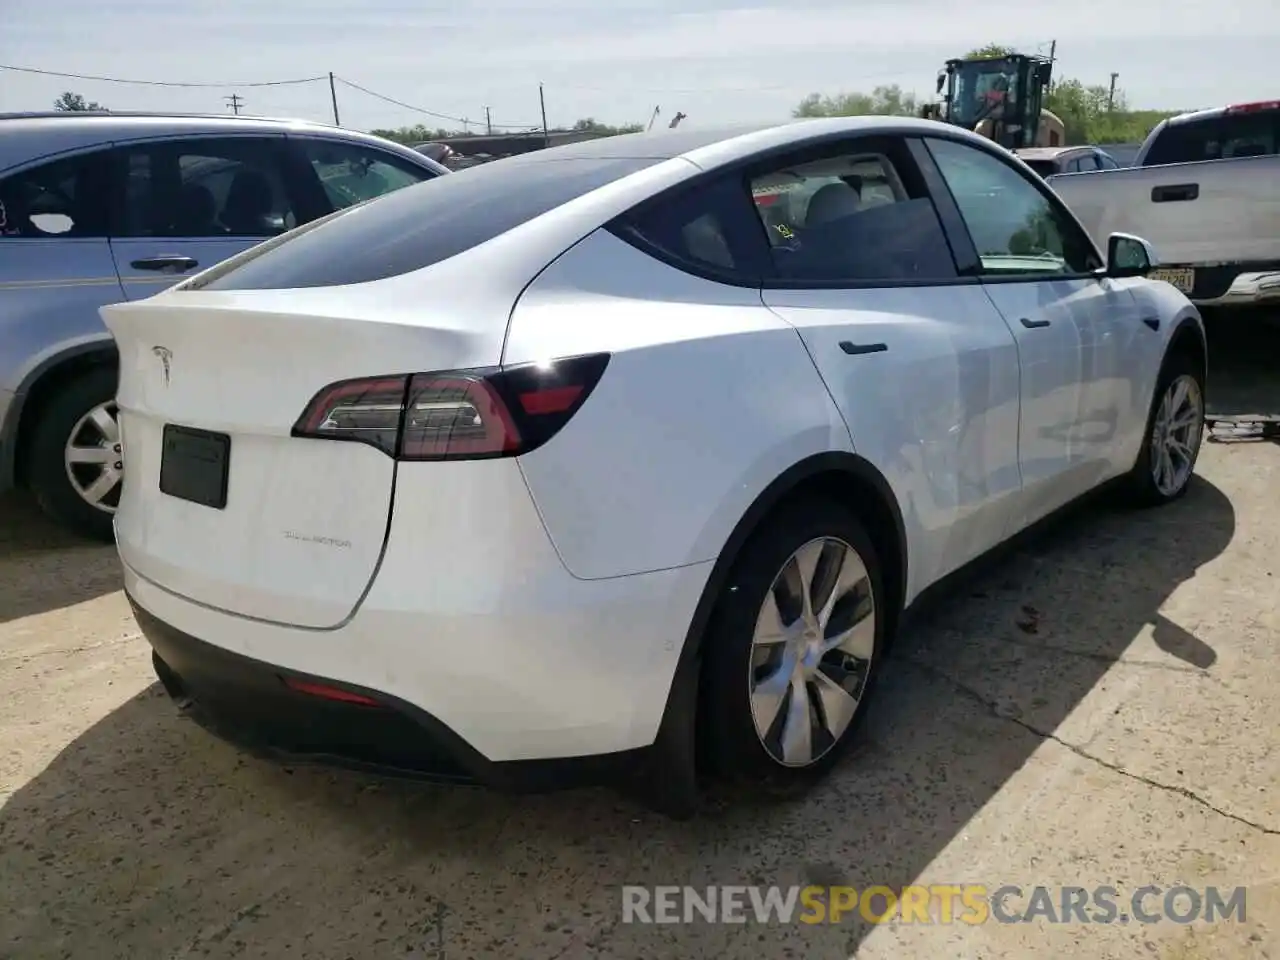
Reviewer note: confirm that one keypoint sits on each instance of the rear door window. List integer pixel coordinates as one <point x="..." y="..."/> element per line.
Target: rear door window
<point x="352" y="173"/>
<point x="1245" y="134"/>
<point x="207" y="187"/>
<point x="64" y="198"/>
<point x="411" y="229"/>
<point x="849" y="220"/>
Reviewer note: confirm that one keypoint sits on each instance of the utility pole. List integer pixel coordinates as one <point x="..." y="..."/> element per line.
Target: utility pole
<point x="653" y="116"/>
<point x="234" y="101"/>
<point x="333" y="96"/>
<point x="546" y="137"/>
<point x="1111" y="94"/>
<point x="1053" y="58"/>
<point x="488" y="122"/>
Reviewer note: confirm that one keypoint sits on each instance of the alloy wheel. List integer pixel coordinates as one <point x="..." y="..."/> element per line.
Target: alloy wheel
<point x="94" y="458"/>
<point x="812" y="651"/>
<point x="1175" y="435"/>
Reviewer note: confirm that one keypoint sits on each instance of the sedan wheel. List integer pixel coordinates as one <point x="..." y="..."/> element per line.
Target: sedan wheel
<point x="94" y="459"/>
<point x="74" y="455"/>
<point x="791" y="656"/>
<point x="1175" y="435"/>
<point x="1171" y="443"/>
<point x="812" y="650"/>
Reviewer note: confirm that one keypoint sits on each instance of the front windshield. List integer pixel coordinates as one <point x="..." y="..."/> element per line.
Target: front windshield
<point x="980" y="87"/>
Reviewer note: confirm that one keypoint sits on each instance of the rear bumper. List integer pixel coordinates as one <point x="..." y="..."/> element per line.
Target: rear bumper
<point x="1239" y="284"/>
<point x="544" y="668"/>
<point x="252" y="705"/>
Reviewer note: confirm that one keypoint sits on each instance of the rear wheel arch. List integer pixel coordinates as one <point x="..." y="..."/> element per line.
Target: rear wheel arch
<point x="845" y="478"/>
<point x="850" y="481"/>
<point x="1188" y="340"/>
<point x="41" y="385"/>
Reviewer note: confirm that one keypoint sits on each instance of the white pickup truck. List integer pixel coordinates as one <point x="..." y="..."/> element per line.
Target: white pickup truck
<point x="1204" y="191"/>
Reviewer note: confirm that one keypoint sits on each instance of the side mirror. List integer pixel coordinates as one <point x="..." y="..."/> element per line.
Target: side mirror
<point x="1129" y="256"/>
<point x="942" y="78"/>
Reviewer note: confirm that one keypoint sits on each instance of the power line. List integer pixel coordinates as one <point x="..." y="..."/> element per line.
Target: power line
<point x="157" y="83"/>
<point x="430" y="113"/>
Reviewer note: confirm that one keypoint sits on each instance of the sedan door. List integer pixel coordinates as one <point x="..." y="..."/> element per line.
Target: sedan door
<point x="191" y="202"/>
<point x="55" y="259"/>
<point x="1075" y="329"/>
<point x="922" y="366"/>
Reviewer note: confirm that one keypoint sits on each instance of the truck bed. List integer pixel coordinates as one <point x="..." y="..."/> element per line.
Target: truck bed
<point x="1214" y="224"/>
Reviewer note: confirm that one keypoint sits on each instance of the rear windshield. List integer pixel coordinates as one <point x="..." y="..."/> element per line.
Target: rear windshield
<point x="1216" y="138"/>
<point x="421" y="225"/>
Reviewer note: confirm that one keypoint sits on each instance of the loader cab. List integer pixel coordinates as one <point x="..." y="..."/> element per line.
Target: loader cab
<point x="1003" y="93"/>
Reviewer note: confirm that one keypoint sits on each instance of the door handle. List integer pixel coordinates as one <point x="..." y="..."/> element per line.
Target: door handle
<point x="167" y="264"/>
<point x="1033" y="324"/>
<point x="853" y="349"/>
<point x="1174" y="192"/>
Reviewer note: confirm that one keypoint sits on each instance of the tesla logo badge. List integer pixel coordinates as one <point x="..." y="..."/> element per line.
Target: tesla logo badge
<point x="165" y="355"/>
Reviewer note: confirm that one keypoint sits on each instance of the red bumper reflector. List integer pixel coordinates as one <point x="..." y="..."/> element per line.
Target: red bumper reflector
<point x="329" y="693"/>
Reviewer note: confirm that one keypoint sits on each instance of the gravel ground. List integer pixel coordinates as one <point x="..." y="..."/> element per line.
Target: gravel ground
<point x="1100" y="708"/>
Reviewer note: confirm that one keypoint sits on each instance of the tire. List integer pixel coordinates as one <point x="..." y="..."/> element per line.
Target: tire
<point x="1181" y="376"/>
<point x="61" y="420"/>
<point x="732" y="663"/>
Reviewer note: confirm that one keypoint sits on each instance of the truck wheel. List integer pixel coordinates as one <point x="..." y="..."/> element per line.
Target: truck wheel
<point x="76" y="462"/>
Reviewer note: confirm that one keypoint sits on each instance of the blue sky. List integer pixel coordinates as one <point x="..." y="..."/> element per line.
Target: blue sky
<point x="716" y="60"/>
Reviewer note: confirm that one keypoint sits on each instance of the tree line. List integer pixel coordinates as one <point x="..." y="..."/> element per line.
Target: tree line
<point x="71" y="102"/>
<point x="1089" y="112"/>
<point x="423" y="134"/>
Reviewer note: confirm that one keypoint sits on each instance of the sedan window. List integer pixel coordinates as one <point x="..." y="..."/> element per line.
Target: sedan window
<point x="849" y="219"/>
<point x="352" y="173"/>
<point x="1014" y="225"/>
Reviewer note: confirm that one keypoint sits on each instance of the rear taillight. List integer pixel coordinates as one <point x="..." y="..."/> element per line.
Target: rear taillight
<point x="457" y="414"/>
<point x="1260" y="105"/>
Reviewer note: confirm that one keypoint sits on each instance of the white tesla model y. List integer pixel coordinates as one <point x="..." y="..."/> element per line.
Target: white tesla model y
<point x="626" y="457"/>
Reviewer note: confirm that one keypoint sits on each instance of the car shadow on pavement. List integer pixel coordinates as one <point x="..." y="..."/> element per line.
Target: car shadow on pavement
<point x="147" y="837"/>
<point x="44" y="566"/>
<point x="1243" y="347"/>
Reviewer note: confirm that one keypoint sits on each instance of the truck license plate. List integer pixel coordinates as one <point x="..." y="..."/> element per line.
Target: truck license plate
<point x="1184" y="278"/>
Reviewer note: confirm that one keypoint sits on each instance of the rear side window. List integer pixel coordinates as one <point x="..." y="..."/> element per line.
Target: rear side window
<point x="422" y="225"/>
<point x="707" y="229"/>
<point x="352" y="173"/>
<point x="65" y="198"/>
<point x="1249" y="134"/>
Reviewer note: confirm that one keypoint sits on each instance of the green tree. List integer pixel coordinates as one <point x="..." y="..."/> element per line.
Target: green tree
<point x="992" y="51"/>
<point x="73" y="102"/>
<point x="882" y="101"/>
<point x="591" y="125"/>
<point x="416" y="134"/>
<point x="424" y="134"/>
<point x="1091" y="115"/>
